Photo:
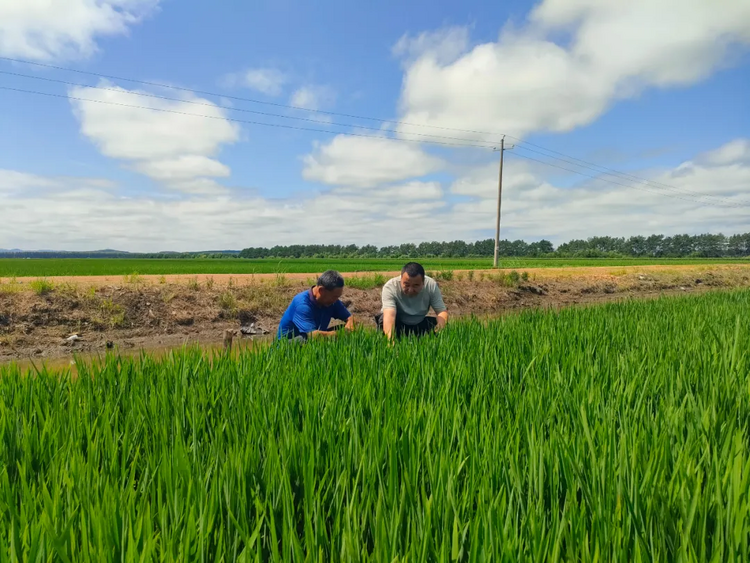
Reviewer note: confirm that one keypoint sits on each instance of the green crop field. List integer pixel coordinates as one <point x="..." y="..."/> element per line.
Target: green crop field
<point x="610" y="433"/>
<point x="18" y="267"/>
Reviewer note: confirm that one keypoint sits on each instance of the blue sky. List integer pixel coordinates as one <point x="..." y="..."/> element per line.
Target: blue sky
<point x="627" y="86"/>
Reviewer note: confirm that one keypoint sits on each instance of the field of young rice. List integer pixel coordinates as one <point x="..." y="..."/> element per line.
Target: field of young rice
<point x="612" y="433"/>
<point x="50" y="267"/>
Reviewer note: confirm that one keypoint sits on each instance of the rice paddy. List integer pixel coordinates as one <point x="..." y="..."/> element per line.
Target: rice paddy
<point x="610" y="433"/>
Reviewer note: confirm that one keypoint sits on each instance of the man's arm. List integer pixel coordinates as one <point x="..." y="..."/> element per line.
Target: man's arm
<point x="438" y="305"/>
<point x="442" y="320"/>
<point x="304" y="320"/>
<point x="389" y="323"/>
<point x="389" y="311"/>
<point x="343" y="314"/>
<point x="322" y="333"/>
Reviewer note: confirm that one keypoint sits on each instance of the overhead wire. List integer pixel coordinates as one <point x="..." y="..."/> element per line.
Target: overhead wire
<point x="224" y="118"/>
<point x="729" y="204"/>
<point x="605" y="170"/>
<point x="231" y="108"/>
<point x="638" y="180"/>
<point x="460" y="141"/>
<point x="587" y="164"/>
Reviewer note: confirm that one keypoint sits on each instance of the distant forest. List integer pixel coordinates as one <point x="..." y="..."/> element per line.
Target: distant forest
<point x="654" y="246"/>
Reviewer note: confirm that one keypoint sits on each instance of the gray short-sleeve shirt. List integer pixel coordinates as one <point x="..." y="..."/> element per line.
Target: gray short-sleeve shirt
<point x="412" y="310"/>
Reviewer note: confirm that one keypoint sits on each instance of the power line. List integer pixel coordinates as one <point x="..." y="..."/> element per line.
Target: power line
<point x="599" y="168"/>
<point x="280" y="125"/>
<point x="731" y="204"/>
<point x="609" y="171"/>
<point x="229" y="108"/>
<point x="239" y="98"/>
<point x="462" y="142"/>
<point x="292" y="127"/>
<point x="636" y="179"/>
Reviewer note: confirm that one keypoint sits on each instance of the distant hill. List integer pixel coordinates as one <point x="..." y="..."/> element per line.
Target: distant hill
<point x="112" y="253"/>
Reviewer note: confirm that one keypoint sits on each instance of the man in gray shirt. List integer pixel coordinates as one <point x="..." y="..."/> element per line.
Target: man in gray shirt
<point x="407" y="300"/>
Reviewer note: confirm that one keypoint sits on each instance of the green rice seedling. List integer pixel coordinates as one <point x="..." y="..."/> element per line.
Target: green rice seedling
<point x="162" y="279"/>
<point x="12" y="286"/>
<point x="280" y="280"/>
<point x="611" y="433"/>
<point x="470" y="275"/>
<point x="210" y="282"/>
<point x="369" y="281"/>
<point x="42" y="286"/>
<point x="193" y="284"/>
<point x="133" y="278"/>
<point x="444" y="275"/>
<point x="228" y="302"/>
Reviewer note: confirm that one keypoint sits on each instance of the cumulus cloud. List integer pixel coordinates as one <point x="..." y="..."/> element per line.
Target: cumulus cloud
<point x="696" y="196"/>
<point x="34" y="29"/>
<point x="172" y="148"/>
<point x="269" y="81"/>
<point x="23" y="182"/>
<point x="74" y="214"/>
<point x="364" y="162"/>
<point x="737" y="151"/>
<point x="313" y="97"/>
<point x="527" y="82"/>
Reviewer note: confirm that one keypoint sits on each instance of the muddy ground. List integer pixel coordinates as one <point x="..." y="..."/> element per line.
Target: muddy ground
<point x="133" y="313"/>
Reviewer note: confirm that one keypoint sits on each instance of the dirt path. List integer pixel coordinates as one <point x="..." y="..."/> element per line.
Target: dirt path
<point x="598" y="272"/>
<point x="155" y="314"/>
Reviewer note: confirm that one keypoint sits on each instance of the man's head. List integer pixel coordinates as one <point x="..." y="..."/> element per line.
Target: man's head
<point x="330" y="286"/>
<point x="412" y="279"/>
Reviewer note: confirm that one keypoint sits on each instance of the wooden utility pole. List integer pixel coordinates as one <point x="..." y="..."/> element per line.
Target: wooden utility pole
<point x="499" y="201"/>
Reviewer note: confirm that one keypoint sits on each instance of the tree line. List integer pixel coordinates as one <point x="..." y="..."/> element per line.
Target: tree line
<point x="653" y="246"/>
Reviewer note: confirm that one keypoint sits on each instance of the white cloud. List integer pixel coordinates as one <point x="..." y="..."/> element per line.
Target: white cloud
<point x="737" y="151"/>
<point x="692" y="197"/>
<point x="23" y="182"/>
<point x="526" y="82"/>
<point x="313" y="97"/>
<point x="78" y="215"/>
<point x="410" y="191"/>
<point x="445" y="45"/>
<point x="45" y="30"/>
<point x="172" y="148"/>
<point x="364" y="162"/>
<point x="269" y="81"/>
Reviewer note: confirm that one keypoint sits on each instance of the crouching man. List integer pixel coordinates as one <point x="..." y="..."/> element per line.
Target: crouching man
<point x="407" y="300"/>
<point x="311" y="311"/>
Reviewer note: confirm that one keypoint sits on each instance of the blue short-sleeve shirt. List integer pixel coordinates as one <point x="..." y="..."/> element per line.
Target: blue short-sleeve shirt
<point x="304" y="315"/>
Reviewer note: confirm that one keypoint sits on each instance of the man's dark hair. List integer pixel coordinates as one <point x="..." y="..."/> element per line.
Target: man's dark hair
<point x="330" y="280"/>
<point x="413" y="269"/>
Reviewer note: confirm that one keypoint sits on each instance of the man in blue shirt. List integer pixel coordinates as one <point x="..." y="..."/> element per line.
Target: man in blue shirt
<point x="311" y="311"/>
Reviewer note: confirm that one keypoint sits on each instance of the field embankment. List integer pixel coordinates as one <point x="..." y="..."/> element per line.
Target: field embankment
<point x="138" y="312"/>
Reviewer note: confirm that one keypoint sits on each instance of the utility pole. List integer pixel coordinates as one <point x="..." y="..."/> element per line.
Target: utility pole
<point x="499" y="201"/>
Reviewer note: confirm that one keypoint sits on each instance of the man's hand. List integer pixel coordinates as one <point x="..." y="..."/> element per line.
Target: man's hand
<point x="350" y="324"/>
<point x="442" y="320"/>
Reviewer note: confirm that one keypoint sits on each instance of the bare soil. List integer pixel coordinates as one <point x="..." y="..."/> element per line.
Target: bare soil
<point x="155" y="313"/>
